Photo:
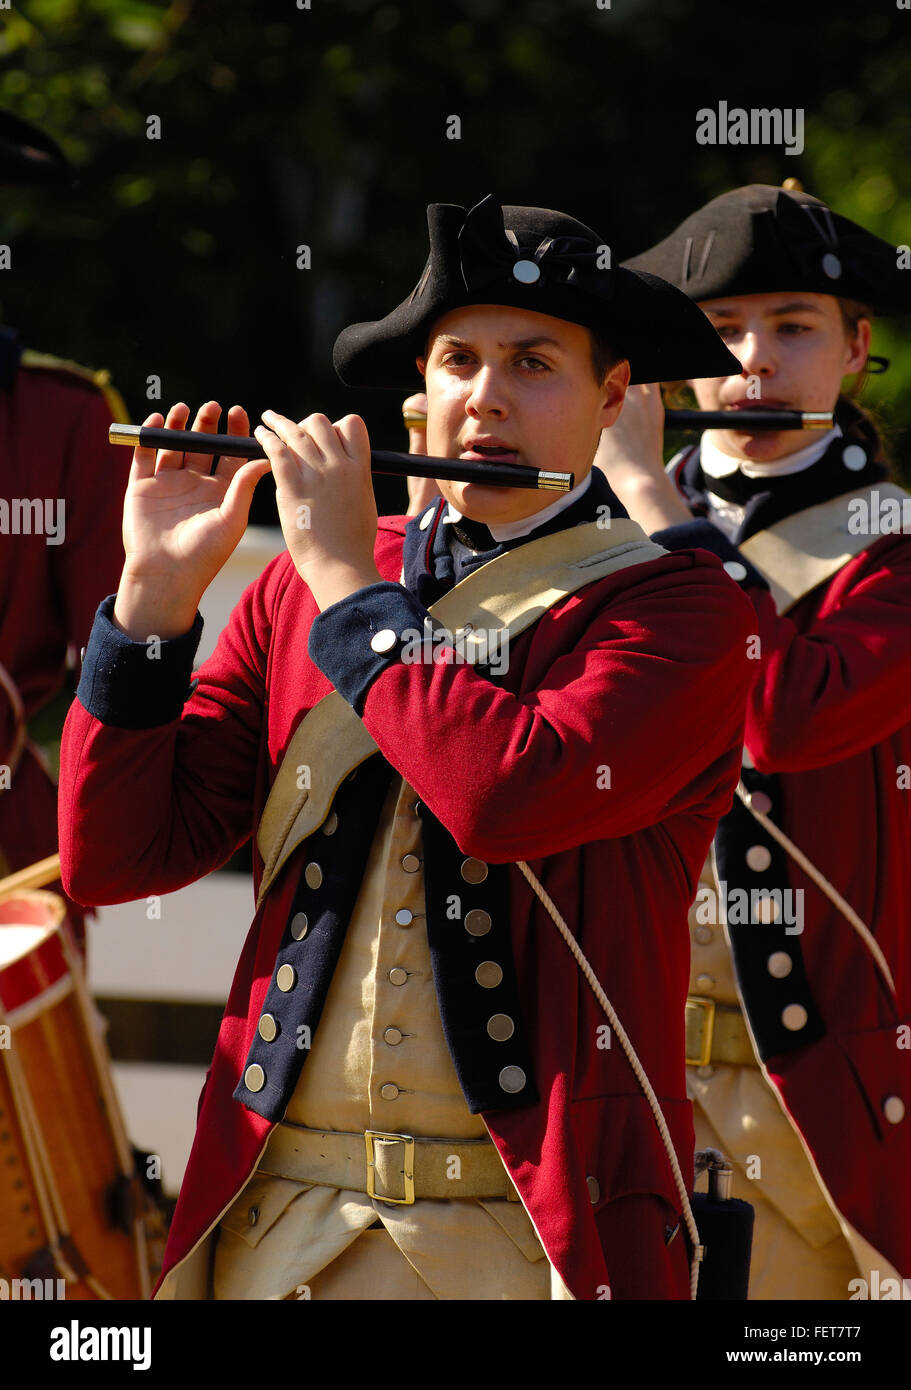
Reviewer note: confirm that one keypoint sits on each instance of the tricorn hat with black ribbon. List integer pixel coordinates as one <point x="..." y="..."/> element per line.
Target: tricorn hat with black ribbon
<point x="28" y="156"/>
<point x="760" y="240"/>
<point x="540" y="260"/>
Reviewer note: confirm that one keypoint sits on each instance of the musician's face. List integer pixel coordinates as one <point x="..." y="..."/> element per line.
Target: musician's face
<point x="507" y="385"/>
<point x="795" y="351"/>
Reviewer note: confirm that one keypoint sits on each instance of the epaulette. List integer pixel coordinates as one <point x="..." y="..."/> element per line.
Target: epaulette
<point x="45" y="361"/>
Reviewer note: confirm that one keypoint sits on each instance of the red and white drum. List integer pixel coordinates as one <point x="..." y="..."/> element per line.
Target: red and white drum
<point x="63" y="1148"/>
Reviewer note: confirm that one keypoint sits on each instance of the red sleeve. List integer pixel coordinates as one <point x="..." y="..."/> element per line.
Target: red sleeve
<point x="829" y="689"/>
<point x="653" y="690"/>
<point x="149" y="810"/>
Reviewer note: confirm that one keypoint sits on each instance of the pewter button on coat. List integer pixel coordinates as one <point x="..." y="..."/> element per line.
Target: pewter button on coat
<point x="488" y="974"/>
<point x="477" y="922"/>
<point x="389" y="1091"/>
<point x="286" y="978"/>
<point x="410" y="863"/>
<point x="705" y="981"/>
<point x="426" y="519"/>
<point x="894" y="1109"/>
<point x="268" y="1028"/>
<point x="500" y="1027"/>
<point x="761" y="802"/>
<point x="594" y="1189"/>
<point x="330" y="824"/>
<point x="254" y="1078"/>
<point x="299" y="926"/>
<point x="758" y="858"/>
<point x="474" y="870"/>
<point x="780" y="964"/>
<point x="794" y="1017"/>
<point x="854" y="458"/>
<point x="313" y="875"/>
<point x="735" y="569"/>
<point x="393" y="1036"/>
<point x="397" y="976"/>
<point x="384" y="640"/>
<point x="703" y="935"/>
<point x="512" y="1080"/>
<point x="404" y="917"/>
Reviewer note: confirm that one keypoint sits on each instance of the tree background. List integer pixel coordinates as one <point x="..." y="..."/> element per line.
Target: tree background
<point x="283" y="125"/>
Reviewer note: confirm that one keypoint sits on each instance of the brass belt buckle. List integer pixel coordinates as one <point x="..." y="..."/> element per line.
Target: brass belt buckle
<point x="370" y="1136"/>
<point x="700" y="1026"/>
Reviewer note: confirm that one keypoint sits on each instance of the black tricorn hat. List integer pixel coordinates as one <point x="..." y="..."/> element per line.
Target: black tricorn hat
<point x="760" y="240"/>
<point x="540" y="260"/>
<point x="28" y="156"/>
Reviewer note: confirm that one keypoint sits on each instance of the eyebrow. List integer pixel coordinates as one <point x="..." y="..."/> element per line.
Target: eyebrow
<point x="518" y="344"/>
<point x="795" y="306"/>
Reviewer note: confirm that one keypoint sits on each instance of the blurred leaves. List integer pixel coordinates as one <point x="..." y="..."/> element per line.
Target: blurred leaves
<point x="283" y="126"/>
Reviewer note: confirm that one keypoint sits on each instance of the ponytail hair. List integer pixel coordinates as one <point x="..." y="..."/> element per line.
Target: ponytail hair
<point x="855" y="420"/>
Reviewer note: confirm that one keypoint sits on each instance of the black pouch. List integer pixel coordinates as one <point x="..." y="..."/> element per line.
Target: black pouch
<point x="725" y="1226"/>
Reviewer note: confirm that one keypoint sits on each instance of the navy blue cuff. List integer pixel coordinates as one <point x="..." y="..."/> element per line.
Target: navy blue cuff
<point x="135" y="685"/>
<point x="703" y="535"/>
<point x="356" y="639"/>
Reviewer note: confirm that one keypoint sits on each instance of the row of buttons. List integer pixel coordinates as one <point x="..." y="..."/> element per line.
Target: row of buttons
<point x="286" y="975"/>
<point x="489" y="974"/>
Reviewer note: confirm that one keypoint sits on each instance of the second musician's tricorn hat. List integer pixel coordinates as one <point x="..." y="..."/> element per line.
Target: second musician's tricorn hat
<point x="760" y="239"/>
<point x="28" y="156"/>
<point x="541" y="260"/>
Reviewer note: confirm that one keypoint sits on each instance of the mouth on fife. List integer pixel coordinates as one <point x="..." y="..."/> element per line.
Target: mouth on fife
<point x="492" y="450"/>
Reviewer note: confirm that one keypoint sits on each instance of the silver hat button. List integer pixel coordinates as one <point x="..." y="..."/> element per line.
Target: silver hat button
<point x="526" y="272"/>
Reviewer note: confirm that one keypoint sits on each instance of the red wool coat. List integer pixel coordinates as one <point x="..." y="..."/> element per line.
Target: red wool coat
<point x="644" y="671"/>
<point x="53" y="445"/>
<point x="830" y="711"/>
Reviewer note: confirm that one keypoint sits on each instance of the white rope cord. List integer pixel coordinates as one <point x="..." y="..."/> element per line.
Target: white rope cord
<point x="639" y="1070"/>
<point x="822" y="883"/>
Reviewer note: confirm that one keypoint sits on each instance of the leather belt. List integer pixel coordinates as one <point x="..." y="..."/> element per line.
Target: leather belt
<point x="395" y="1168"/>
<point x="716" y="1033"/>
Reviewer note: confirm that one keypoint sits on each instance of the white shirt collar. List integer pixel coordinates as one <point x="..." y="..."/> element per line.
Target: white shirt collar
<point x="715" y="464"/>
<point x="508" y="530"/>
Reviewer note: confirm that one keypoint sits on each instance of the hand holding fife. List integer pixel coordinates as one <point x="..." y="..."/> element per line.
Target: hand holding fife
<point x="421" y="491"/>
<point x="183" y="516"/>
<point x="324" y="491"/>
<point x="630" y="454"/>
